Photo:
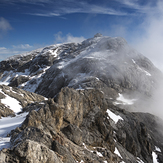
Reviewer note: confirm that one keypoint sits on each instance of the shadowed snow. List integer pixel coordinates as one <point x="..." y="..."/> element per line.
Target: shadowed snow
<point x="6" y="125"/>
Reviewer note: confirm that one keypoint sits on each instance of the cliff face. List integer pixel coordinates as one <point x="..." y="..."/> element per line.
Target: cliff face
<point x="92" y="89"/>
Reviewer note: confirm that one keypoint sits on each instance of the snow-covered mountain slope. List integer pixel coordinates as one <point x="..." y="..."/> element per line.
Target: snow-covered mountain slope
<point x="12" y="102"/>
<point x="101" y="61"/>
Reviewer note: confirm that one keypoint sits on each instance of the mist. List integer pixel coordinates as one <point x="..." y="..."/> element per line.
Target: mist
<point x="147" y="38"/>
<point x="149" y="42"/>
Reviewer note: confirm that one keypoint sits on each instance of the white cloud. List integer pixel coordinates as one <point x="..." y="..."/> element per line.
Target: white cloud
<point x="68" y="38"/>
<point x="22" y="46"/>
<point x="4" y="26"/>
<point x="150" y="43"/>
<point x="148" y="6"/>
<point x="51" y="14"/>
<point x="94" y="9"/>
<point x="15" y="49"/>
<point x="77" y="7"/>
<point x="4" y="53"/>
<point x="2" y="48"/>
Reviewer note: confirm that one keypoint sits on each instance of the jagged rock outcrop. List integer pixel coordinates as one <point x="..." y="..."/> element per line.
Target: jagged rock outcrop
<point x="77" y="127"/>
<point x="9" y="96"/>
<point x="5" y="111"/>
<point x="30" y="151"/>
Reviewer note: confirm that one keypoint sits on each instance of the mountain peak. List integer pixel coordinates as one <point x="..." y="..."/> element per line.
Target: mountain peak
<point x="98" y="35"/>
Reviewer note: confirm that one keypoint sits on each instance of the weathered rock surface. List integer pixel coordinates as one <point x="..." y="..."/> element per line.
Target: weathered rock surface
<point x="30" y="151"/>
<point x="24" y="98"/>
<point x="5" y="111"/>
<point x="77" y="127"/>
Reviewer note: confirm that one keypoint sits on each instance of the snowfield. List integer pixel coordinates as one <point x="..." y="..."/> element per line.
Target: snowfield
<point x="12" y="103"/>
<point x="6" y="125"/>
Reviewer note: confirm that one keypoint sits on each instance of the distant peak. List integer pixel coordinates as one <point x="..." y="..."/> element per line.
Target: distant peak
<point x="98" y="35"/>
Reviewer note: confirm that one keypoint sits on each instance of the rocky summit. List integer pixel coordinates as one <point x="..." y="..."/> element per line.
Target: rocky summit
<point x="78" y="103"/>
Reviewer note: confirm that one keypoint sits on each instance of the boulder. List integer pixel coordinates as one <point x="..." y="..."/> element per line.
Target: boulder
<point x="31" y="151"/>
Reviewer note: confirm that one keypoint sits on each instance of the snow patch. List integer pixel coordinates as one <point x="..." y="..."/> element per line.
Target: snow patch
<point x="157" y="149"/>
<point x="4" y="83"/>
<point x="124" y="101"/>
<point x="113" y="116"/>
<point x="154" y="155"/>
<point x="139" y="160"/>
<point x="12" y="103"/>
<point x="117" y="152"/>
<point x="54" y="52"/>
<point x="87" y="148"/>
<point x="6" y="125"/>
<point x="8" y="75"/>
<point x="80" y="161"/>
<point x="147" y="73"/>
<point x="133" y="61"/>
<point x="99" y="154"/>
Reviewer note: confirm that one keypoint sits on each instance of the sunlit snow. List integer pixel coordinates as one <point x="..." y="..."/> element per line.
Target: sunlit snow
<point x="113" y="116"/>
<point x="54" y="52"/>
<point x="12" y="103"/>
<point x="154" y="157"/>
<point x="99" y="154"/>
<point x="157" y="149"/>
<point x="117" y="152"/>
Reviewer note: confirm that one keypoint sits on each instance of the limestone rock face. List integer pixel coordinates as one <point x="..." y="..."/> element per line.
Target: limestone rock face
<point x="31" y="151"/>
<point x="78" y="126"/>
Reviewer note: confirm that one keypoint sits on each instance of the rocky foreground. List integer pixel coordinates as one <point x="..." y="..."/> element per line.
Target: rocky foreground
<point x="91" y="91"/>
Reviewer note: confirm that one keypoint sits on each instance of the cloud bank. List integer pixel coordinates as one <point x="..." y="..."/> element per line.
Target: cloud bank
<point x="150" y="43"/>
<point x="59" y="38"/>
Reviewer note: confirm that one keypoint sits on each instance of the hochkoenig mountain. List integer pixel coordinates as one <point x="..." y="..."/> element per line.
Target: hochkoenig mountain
<point x="88" y="102"/>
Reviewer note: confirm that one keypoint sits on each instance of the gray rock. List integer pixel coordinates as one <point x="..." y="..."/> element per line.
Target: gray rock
<point x="16" y="81"/>
<point x="30" y="151"/>
<point x="61" y="150"/>
<point x="73" y="133"/>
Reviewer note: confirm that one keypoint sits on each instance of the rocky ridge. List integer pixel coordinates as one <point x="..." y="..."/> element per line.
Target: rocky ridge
<point x="13" y="98"/>
<point x="99" y="62"/>
<point x="83" y="119"/>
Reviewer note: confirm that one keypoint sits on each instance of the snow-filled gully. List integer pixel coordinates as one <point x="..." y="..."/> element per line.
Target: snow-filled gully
<point x="6" y="125"/>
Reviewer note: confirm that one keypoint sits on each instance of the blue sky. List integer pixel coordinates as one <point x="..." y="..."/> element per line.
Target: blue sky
<point x="30" y="24"/>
